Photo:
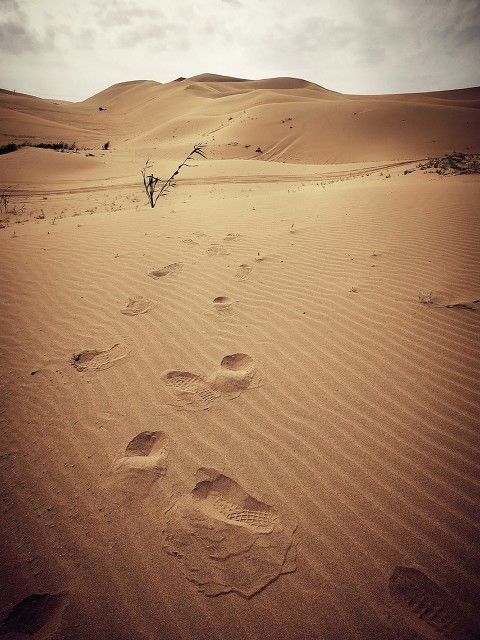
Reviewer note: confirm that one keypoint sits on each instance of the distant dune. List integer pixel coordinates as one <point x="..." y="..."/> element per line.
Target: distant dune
<point x="290" y="120"/>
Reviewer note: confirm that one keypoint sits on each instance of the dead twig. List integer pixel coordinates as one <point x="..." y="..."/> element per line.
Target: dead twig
<point x="150" y="182"/>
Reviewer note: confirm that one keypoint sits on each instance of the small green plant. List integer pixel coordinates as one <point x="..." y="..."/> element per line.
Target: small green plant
<point x="150" y="182"/>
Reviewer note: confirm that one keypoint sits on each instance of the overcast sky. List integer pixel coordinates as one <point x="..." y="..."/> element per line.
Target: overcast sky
<point x="72" y="49"/>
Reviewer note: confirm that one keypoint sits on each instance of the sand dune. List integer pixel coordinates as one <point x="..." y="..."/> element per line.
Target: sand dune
<point x="252" y="411"/>
<point x="290" y="120"/>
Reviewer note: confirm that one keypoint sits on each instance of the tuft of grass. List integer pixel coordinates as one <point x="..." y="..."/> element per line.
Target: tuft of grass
<point x="106" y="145"/>
<point x="456" y="162"/>
<point x="425" y="298"/>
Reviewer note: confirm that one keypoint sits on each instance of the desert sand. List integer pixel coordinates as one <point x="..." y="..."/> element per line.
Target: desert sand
<point x="251" y="412"/>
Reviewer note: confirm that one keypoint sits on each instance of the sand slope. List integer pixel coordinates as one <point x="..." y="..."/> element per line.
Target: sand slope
<point x="290" y="120"/>
<point x="251" y="412"/>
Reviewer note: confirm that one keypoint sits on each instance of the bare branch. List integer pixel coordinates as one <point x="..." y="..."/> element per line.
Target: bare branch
<point x="150" y="182"/>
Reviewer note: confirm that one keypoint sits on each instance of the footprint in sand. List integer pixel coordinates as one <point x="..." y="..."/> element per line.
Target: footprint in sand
<point x="216" y="250"/>
<point x="192" y="391"/>
<point x="238" y="372"/>
<point x="224" y="307"/>
<point x="168" y="270"/>
<point x="144" y="462"/>
<point x="243" y="272"/>
<point x="428" y="609"/>
<point x="136" y="306"/>
<point x="232" y="237"/>
<point x="97" y="360"/>
<point x="227" y="540"/>
<point x="189" y="242"/>
<point x="33" y="613"/>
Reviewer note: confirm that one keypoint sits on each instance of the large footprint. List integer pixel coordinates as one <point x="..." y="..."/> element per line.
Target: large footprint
<point x="428" y="608"/>
<point x="227" y="540"/>
<point x="97" y="359"/>
<point x="191" y="391"/>
<point x="144" y="462"/>
<point x="237" y="373"/>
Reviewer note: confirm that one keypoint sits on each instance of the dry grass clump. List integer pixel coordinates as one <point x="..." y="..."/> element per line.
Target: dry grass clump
<point x="454" y="163"/>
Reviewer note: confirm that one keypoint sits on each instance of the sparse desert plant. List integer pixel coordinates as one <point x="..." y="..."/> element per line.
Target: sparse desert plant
<point x="5" y="196"/>
<point x="9" y="148"/>
<point x="425" y="298"/>
<point x="106" y="145"/>
<point x="453" y="163"/>
<point x="150" y="182"/>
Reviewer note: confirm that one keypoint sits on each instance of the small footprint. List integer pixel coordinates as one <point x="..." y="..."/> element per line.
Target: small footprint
<point x="224" y="307"/>
<point x="189" y="242"/>
<point x="216" y="250"/>
<point x="136" y="306"/>
<point x="227" y="540"/>
<point x="97" y="360"/>
<point x="32" y="614"/>
<point x="168" y="270"/>
<point x="191" y="390"/>
<point x="232" y="237"/>
<point x="428" y="607"/>
<point x="243" y="272"/>
<point x="144" y="462"/>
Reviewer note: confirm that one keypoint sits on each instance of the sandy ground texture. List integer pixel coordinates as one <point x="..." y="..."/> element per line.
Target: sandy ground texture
<point x="250" y="413"/>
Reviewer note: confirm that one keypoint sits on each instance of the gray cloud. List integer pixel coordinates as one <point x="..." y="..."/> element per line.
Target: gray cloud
<point x="353" y="46"/>
<point x="120" y="13"/>
<point x="17" y="36"/>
